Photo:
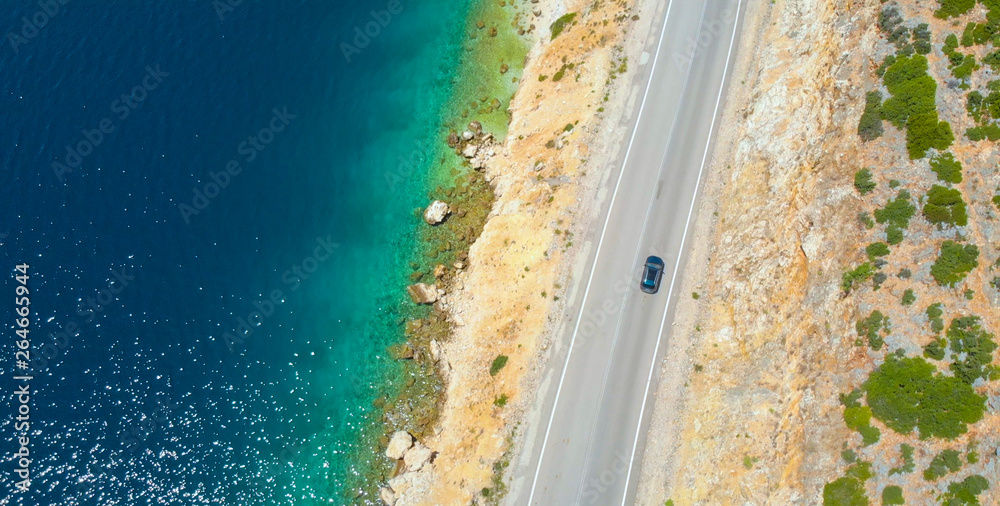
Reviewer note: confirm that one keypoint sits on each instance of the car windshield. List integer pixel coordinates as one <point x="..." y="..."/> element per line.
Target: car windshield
<point x="650" y="276"/>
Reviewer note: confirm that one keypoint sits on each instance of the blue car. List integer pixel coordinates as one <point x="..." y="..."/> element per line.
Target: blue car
<point x="652" y="275"/>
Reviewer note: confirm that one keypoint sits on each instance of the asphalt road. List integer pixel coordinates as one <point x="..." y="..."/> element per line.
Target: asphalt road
<point x="596" y="397"/>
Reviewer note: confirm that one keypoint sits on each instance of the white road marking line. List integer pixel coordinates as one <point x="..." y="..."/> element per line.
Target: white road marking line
<point x="635" y="259"/>
<point x="663" y="321"/>
<point x="604" y="230"/>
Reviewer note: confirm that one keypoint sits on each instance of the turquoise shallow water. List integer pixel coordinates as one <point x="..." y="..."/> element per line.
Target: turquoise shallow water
<point x="140" y="396"/>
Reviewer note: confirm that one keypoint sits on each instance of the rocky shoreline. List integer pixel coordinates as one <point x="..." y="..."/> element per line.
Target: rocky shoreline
<point x="499" y="244"/>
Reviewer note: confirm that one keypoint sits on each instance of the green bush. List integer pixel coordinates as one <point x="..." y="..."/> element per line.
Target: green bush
<point x="863" y="181"/>
<point x="950" y="44"/>
<point x="860" y="274"/>
<point x="871" y="327"/>
<point x="965" y="492"/>
<point x="907" y="394"/>
<point x="936" y="349"/>
<point x="991" y="132"/>
<point x="974" y="348"/>
<point x="844" y="492"/>
<point x="560" y="24"/>
<point x="893" y="235"/>
<point x="498" y="364"/>
<point x="866" y="219"/>
<point x="892" y="495"/>
<point x="876" y="249"/>
<point x="967" y="40"/>
<point x="954" y="263"/>
<point x="965" y="70"/>
<point x="908" y="297"/>
<point x="897" y="212"/>
<point x="906" y="453"/>
<point x="947" y="168"/>
<point x="870" y="125"/>
<point x="924" y="131"/>
<point x="945" y="205"/>
<point x="948" y="461"/>
<point x="859" y="419"/>
<point x="912" y="90"/>
<point x="953" y="8"/>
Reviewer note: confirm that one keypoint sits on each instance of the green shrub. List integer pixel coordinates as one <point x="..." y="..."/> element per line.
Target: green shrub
<point x="560" y="24"/>
<point x="965" y="70"/>
<point x="893" y="235"/>
<point x="906" y="453"/>
<point x="859" y="419"/>
<point x="866" y="219"/>
<point x="879" y="277"/>
<point x="936" y="349"/>
<point x="945" y="205"/>
<point x="974" y="348"/>
<point x="947" y="168"/>
<point x="892" y="495"/>
<point x="907" y="394"/>
<point x="950" y="44"/>
<point x="912" y="90"/>
<point x="953" y="8"/>
<point x="863" y="181"/>
<point x="500" y="401"/>
<point x="948" y="461"/>
<point x="954" y="263"/>
<point x="876" y="249"/>
<point x="871" y="327"/>
<point x="965" y="492"/>
<point x="848" y="490"/>
<point x="860" y="274"/>
<point x="991" y="132"/>
<point x="924" y="131"/>
<point x="934" y="311"/>
<point x="967" y="40"/>
<point x="870" y="125"/>
<point x="897" y="212"/>
<point x="498" y="364"/>
<point x="844" y="492"/>
<point x="908" y="297"/>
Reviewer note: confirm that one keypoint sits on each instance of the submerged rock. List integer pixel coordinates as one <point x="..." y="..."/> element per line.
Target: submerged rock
<point x="436" y="212"/>
<point x="400" y="442"/>
<point x="422" y="293"/>
<point x="470" y="151"/>
<point x="387" y="496"/>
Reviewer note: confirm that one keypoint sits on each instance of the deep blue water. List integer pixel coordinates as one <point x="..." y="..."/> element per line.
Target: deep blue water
<point x="138" y="395"/>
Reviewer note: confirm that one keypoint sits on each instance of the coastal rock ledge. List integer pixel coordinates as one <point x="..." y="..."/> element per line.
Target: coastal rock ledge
<point x="398" y="444"/>
<point x="422" y="293"/>
<point x="436" y="212"/>
<point x="417" y="459"/>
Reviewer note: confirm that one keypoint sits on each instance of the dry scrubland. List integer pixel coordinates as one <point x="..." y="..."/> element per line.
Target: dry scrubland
<point x="499" y="303"/>
<point x="841" y="347"/>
